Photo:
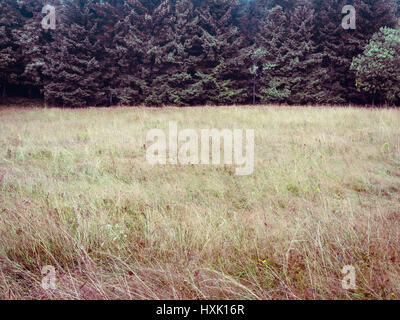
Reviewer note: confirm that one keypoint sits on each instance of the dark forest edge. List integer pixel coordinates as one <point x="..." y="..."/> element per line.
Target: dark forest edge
<point x="26" y="102"/>
<point x="200" y="52"/>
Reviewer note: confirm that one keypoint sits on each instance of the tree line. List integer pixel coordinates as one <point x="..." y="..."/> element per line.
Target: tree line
<point x="196" y="52"/>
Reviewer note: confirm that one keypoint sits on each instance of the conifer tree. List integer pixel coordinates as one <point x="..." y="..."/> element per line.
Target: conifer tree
<point x="116" y="30"/>
<point x="197" y="60"/>
<point x="32" y="40"/>
<point x="223" y="67"/>
<point x="287" y="55"/>
<point x="304" y="66"/>
<point x="10" y="20"/>
<point x="173" y="63"/>
<point x="71" y="68"/>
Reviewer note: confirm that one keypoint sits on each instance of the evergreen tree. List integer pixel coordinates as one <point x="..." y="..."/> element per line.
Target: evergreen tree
<point x="173" y="63"/>
<point x="222" y="71"/>
<point x="10" y="20"/>
<point x="121" y="47"/>
<point x="286" y="53"/>
<point x="71" y="68"/>
<point x="197" y="60"/>
<point x="32" y="40"/>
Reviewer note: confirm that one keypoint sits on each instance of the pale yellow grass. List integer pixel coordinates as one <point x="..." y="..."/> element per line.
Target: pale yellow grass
<point x="77" y="193"/>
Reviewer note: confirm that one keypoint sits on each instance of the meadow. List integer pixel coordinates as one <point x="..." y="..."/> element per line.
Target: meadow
<point x="77" y="193"/>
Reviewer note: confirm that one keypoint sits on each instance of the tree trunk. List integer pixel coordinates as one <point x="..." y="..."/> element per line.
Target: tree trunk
<point x="373" y="99"/>
<point x="254" y="91"/>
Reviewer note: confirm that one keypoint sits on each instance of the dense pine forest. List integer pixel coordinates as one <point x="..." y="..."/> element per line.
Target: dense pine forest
<point x="196" y="52"/>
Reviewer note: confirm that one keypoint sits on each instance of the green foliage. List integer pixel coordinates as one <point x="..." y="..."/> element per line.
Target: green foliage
<point x="199" y="57"/>
<point x="378" y="67"/>
<point x="291" y="70"/>
<point x="191" y="52"/>
<point x="338" y="46"/>
<point x="71" y="68"/>
<point x="10" y="20"/>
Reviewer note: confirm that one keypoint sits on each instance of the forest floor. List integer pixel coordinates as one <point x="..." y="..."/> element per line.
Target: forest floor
<point x="77" y="193"/>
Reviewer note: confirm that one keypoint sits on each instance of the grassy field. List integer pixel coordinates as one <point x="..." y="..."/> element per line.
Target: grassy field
<point x="77" y="193"/>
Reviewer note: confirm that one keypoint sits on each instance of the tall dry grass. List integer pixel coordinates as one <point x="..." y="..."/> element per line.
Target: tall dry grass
<point x="77" y="193"/>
